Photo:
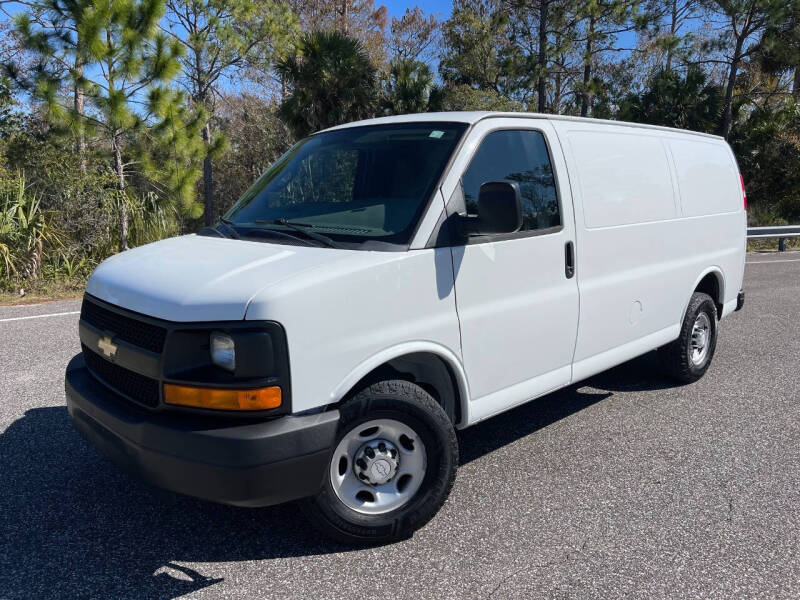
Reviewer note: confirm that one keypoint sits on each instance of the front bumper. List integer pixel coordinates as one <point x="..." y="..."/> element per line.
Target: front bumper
<point x="240" y="463"/>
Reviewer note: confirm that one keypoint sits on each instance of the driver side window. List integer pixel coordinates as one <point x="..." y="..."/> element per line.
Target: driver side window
<point x="516" y="155"/>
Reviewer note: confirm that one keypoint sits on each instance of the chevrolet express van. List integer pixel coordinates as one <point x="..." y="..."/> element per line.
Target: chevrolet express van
<point x="387" y="282"/>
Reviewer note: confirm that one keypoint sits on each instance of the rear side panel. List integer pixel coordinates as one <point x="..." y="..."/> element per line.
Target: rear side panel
<point x="711" y="196"/>
<point x="643" y="241"/>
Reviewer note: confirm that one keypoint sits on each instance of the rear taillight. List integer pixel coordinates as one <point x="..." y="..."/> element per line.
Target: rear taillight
<point x="744" y="192"/>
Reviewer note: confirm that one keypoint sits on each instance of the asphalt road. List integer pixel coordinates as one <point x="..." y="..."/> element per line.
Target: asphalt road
<point x="624" y="486"/>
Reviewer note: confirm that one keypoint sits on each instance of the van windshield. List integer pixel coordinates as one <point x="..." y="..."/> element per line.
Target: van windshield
<point x="350" y="186"/>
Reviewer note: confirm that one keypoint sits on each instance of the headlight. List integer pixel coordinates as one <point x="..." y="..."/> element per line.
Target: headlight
<point x="223" y="351"/>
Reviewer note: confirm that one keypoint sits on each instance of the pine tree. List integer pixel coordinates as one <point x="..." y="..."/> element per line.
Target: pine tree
<point x="172" y="149"/>
<point x="474" y="38"/>
<point x="603" y="21"/>
<point x="126" y="63"/>
<point x="671" y="27"/>
<point x="220" y="36"/>
<point x="780" y="50"/>
<point x="540" y="32"/>
<point x="50" y="29"/>
<point x="414" y="36"/>
<point x="743" y="23"/>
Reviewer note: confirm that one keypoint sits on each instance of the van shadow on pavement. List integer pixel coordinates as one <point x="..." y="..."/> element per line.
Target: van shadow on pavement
<point x="640" y="374"/>
<point x="73" y="525"/>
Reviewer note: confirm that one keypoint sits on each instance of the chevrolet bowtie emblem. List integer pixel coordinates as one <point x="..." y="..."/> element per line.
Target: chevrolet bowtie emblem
<point x="107" y="347"/>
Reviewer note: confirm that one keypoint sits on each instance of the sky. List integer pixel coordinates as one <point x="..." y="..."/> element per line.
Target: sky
<point x="396" y="8"/>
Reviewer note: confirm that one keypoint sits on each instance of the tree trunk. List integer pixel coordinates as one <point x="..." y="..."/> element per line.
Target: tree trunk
<point x="796" y="85"/>
<point x="542" y="62"/>
<point x="208" y="179"/>
<point x="345" y="29"/>
<point x="587" y="68"/>
<point x="123" y="205"/>
<point x="672" y="28"/>
<point x="555" y="107"/>
<point x="78" y="106"/>
<point x="727" y="107"/>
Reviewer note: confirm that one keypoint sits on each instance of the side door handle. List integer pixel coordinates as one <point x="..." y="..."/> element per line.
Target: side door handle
<point x="569" y="260"/>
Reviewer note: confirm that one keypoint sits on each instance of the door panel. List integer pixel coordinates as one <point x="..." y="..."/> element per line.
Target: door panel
<point x="517" y="304"/>
<point x="518" y="314"/>
<point x="627" y="210"/>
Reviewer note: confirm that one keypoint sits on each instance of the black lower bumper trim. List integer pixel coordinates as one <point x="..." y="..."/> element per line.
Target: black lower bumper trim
<point x="740" y="300"/>
<point x="245" y="464"/>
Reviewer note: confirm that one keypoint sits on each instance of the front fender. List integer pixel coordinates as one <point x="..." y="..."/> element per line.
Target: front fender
<point x="384" y="356"/>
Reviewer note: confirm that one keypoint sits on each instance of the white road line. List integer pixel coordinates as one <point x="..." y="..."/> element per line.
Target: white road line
<point x="772" y="262"/>
<point x="61" y="314"/>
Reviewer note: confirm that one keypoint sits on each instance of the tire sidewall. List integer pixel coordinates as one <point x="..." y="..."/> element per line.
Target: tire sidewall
<point x="700" y="303"/>
<point x="437" y="434"/>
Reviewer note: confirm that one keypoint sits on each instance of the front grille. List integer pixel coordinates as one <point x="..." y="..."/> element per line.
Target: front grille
<point x="141" y="334"/>
<point x="138" y="388"/>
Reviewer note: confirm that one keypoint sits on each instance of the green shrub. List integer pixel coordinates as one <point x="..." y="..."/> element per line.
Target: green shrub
<point x="26" y="234"/>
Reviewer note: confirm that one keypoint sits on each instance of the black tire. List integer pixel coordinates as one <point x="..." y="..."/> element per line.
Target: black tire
<point x="677" y="356"/>
<point x="412" y="406"/>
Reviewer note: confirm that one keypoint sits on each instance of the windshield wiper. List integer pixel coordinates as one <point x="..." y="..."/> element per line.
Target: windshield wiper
<point x="304" y="228"/>
<point x="229" y="228"/>
<point x="235" y="234"/>
<point x="277" y="233"/>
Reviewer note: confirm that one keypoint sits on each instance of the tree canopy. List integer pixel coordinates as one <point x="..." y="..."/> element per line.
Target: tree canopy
<point x="124" y="121"/>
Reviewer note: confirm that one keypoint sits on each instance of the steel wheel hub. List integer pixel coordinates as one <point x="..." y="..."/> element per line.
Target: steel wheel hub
<point x="376" y="462"/>
<point x="701" y="332"/>
<point x="378" y="466"/>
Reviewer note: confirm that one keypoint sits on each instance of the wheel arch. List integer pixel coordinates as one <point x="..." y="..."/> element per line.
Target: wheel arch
<point x="712" y="282"/>
<point x="432" y="366"/>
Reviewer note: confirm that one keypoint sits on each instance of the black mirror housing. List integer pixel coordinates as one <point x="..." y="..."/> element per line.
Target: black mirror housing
<point x="499" y="208"/>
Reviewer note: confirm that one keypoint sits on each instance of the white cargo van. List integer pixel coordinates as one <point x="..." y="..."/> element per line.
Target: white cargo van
<point x="389" y="281"/>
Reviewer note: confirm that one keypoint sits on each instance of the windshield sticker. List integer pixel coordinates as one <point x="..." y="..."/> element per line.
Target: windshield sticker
<point x="436" y="134"/>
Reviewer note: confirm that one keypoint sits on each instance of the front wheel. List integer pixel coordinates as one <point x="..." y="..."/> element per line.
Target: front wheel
<point x="687" y="359"/>
<point x="392" y="469"/>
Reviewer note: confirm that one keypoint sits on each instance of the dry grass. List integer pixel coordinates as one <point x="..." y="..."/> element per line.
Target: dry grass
<point x="771" y="245"/>
<point x="42" y="291"/>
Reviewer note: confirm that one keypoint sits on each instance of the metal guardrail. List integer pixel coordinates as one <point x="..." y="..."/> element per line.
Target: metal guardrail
<point x="779" y="231"/>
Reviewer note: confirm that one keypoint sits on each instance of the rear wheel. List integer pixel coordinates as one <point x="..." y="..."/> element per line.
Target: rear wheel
<point x="688" y="358"/>
<point x="392" y="468"/>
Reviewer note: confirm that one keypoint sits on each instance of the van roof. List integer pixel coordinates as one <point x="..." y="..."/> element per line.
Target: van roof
<point x="472" y="117"/>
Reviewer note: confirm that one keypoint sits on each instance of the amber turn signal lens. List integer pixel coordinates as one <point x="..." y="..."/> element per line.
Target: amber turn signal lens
<point x="218" y="399"/>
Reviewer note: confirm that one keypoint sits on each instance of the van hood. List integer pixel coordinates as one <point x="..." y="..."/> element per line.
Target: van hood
<point x="198" y="278"/>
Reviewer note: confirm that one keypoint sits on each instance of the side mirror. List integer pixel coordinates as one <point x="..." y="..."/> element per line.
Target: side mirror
<point x="499" y="209"/>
